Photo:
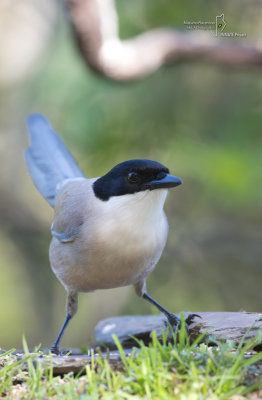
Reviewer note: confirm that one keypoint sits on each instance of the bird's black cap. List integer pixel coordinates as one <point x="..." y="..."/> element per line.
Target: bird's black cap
<point x="134" y="176"/>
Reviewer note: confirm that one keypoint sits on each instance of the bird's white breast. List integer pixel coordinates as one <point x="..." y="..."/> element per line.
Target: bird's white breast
<point x="135" y="220"/>
<point x="119" y="244"/>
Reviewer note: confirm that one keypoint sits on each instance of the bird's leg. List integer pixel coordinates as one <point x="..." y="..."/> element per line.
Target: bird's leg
<point x="55" y="347"/>
<point x="71" y="308"/>
<point x="140" y="288"/>
<point x="172" y="318"/>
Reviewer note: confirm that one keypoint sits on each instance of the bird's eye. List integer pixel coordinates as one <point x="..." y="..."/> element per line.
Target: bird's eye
<point x="133" y="177"/>
<point x="161" y="175"/>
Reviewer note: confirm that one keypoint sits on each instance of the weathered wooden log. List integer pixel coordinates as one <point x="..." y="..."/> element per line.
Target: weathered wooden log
<point x="217" y="326"/>
<point x="63" y="364"/>
<point x="236" y="326"/>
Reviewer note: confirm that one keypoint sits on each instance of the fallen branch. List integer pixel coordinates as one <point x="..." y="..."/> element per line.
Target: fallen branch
<point x="223" y="326"/>
<point x="95" y="24"/>
<point x="241" y="327"/>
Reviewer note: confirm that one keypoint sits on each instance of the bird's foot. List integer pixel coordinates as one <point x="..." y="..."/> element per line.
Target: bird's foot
<point x="55" y="350"/>
<point x="175" y="322"/>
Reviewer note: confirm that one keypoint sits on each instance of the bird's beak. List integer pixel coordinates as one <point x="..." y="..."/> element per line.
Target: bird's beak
<point x="167" y="182"/>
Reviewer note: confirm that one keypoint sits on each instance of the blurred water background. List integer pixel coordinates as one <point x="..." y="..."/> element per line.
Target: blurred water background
<point x="202" y="121"/>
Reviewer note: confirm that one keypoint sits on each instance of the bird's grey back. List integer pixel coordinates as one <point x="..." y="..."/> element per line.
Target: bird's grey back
<point x="48" y="160"/>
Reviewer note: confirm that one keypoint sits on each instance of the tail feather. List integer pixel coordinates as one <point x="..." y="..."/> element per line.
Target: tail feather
<point x="48" y="160"/>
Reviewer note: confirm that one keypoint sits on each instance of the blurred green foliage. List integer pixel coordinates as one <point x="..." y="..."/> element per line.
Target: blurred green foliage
<point x="203" y="122"/>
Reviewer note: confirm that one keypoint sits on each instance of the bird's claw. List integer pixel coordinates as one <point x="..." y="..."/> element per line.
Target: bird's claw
<point x="190" y="318"/>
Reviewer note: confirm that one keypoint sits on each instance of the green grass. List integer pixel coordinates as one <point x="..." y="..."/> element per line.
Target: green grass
<point x="159" y="371"/>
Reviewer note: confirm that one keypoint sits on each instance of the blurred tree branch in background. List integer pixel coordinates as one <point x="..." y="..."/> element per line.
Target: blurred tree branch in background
<point x="95" y="24"/>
